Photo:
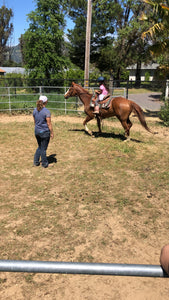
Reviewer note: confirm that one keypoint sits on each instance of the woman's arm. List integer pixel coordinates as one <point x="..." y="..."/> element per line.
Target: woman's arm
<point x="164" y="258"/>
<point x="49" y="123"/>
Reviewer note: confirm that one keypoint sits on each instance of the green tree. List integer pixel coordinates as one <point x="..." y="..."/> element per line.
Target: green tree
<point x="158" y="32"/>
<point x="127" y="47"/>
<point x="43" y="42"/>
<point x="6" y="29"/>
<point x="157" y="13"/>
<point x="115" y="38"/>
<point x="102" y="28"/>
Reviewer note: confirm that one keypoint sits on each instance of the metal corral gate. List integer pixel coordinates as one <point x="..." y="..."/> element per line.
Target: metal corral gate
<point x="24" y="98"/>
<point x="82" y="268"/>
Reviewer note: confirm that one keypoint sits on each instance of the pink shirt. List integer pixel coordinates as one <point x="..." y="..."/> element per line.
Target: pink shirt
<point x="103" y="89"/>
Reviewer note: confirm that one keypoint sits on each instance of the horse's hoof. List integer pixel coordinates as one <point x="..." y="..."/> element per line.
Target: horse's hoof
<point x="127" y="139"/>
<point x="89" y="133"/>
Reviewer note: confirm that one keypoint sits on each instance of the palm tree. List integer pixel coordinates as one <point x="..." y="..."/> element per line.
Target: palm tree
<point x="158" y="14"/>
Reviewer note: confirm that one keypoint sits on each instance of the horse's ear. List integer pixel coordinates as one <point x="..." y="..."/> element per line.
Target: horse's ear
<point x="73" y="83"/>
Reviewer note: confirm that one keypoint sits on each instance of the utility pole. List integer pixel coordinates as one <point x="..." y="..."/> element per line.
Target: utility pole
<point x="88" y="38"/>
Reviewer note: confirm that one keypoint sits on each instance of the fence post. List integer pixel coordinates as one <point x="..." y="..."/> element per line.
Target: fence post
<point x="9" y="99"/>
<point x="65" y="107"/>
<point x="167" y="89"/>
<point x="127" y="90"/>
<point x="111" y="84"/>
<point x="40" y="90"/>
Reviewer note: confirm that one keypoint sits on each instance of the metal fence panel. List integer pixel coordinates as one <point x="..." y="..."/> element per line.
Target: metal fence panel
<point x="24" y="98"/>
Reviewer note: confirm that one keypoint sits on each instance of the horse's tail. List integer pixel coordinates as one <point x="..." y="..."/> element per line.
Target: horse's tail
<point x="140" y="114"/>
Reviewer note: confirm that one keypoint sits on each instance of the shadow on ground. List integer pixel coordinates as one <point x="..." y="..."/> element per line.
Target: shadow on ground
<point x="155" y="97"/>
<point x="107" y="135"/>
<point x="52" y="159"/>
<point x="150" y="113"/>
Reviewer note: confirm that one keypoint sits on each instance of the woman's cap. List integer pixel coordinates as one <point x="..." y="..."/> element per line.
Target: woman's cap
<point x="43" y="98"/>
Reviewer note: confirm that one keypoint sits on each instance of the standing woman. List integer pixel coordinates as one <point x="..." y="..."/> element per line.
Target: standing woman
<point x="43" y="130"/>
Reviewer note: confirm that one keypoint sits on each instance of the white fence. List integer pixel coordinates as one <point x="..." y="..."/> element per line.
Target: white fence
<point x="24" y="98"/>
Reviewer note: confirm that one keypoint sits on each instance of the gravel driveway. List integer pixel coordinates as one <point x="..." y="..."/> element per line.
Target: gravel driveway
<point x="148" y="101"/>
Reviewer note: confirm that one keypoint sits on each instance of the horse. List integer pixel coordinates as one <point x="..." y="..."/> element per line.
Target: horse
<point x="119" y="107"/>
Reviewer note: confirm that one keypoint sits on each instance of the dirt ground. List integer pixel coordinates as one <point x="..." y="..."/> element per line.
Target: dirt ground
<point x="131" y="249"/>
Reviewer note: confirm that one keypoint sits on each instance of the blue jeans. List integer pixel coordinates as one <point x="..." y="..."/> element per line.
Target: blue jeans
<point x="43" y="139"/>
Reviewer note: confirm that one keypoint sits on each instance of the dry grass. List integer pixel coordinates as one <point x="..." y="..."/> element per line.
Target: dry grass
<point x="103" y="200"/>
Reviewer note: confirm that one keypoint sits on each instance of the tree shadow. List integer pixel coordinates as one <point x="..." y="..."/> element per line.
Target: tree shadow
<point x="154" y="114"/>
<point x="150" y="113"/>
<point x="155" y="97"/>
<point x="52" y="159"/>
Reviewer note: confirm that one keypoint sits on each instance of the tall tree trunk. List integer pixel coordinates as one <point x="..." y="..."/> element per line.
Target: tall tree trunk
<point x="138" y="74"/>
<point x="118" y="77"/>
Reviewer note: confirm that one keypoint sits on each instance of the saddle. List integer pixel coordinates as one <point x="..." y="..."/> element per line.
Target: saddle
<point x="105" y="103"/>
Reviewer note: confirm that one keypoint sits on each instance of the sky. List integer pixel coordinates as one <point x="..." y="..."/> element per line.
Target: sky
<point x="20" y="9"/>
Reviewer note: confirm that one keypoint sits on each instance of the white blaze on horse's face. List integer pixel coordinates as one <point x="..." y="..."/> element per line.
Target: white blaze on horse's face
<point x="66" y="94"/>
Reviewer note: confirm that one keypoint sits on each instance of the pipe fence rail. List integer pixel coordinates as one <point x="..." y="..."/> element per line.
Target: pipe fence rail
<point x="24" y="98"/>
<point x="82" y="268"/>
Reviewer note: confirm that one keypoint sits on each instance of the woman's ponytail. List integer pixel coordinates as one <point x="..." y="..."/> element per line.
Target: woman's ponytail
<point x="39" y="105"/>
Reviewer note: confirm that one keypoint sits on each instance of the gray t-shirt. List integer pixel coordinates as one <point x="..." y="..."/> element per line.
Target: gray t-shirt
<point x="40" y="119"/>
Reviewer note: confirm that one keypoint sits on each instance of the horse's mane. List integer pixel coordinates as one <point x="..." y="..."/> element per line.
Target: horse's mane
<point x="84" y="90"/>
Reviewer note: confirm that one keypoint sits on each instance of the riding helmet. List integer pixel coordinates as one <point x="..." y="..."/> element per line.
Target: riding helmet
<point x="101" y="78"/>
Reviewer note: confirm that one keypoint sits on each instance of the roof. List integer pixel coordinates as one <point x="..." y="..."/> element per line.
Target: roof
<point x="2" y="71"/>
<point x="152" y="66"/>
<point x="17" y="70"/>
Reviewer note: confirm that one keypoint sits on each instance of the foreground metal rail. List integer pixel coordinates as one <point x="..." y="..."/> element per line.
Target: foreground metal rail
<point x="82" y="268"/>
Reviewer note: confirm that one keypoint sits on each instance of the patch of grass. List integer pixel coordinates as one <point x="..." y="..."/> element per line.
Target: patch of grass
<point x="122" y="202"/>
<point x="2" y="280"/>
<point x="29" y="278"/>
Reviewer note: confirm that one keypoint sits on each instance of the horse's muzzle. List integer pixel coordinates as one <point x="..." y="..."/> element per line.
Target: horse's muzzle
<point x="66" y="95"/>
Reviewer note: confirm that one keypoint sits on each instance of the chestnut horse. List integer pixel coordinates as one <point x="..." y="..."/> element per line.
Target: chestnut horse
<point x="119" y="107"/>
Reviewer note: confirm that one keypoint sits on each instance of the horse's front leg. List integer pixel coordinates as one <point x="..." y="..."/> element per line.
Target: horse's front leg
<point x="88" y="118"/>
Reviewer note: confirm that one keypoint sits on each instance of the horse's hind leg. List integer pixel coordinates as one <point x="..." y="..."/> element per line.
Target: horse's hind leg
<point x="127" y="125"/>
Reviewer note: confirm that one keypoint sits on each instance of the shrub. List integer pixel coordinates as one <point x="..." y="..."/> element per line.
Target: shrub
<point x="164" y="113"/>
<point x="147" y="76"/>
